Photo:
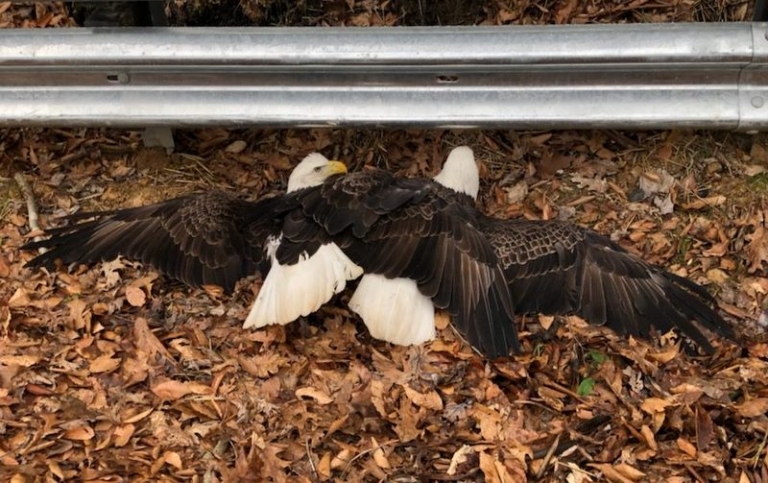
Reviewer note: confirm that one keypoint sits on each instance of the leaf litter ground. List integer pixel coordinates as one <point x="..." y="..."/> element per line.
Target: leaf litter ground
<point x="113" y="372"/>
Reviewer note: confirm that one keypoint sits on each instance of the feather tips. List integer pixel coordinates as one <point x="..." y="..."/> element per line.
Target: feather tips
<point x="559" y="268"/>
<point x="292" y="291"/>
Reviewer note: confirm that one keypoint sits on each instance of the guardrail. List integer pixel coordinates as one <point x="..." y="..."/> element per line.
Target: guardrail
<point x="574" y="76"/>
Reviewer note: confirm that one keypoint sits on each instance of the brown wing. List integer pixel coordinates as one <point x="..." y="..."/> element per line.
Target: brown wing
<point x="558" y="268"/>
<point x="416" y="229"/>
<point x="209" y="238"/>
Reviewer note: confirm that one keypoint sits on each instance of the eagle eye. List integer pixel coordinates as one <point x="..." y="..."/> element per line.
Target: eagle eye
<point x="317" y="170"/>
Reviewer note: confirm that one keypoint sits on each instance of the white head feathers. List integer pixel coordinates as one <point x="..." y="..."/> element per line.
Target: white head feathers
<point x="460" y="172"/>
<point x="313" y="170"/>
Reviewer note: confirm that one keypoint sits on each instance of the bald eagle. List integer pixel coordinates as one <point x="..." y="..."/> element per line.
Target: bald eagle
<point x="421" y="244"/>
<point x="210" y="238"/>
<point x="552" y="268"/>
<point x="316" y="238"/>
<point x="216" y="238"/>
<point x="558" y="268"/>
<point x="394" y="309"/>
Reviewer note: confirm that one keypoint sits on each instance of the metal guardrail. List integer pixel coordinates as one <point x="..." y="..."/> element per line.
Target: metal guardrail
<point x="574" y="76"/>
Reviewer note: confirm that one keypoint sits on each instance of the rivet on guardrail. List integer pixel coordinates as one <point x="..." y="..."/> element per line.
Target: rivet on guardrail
<point x="121" y="78"/>
<point x="757" y="102"/>
<point x="447" y="79"/>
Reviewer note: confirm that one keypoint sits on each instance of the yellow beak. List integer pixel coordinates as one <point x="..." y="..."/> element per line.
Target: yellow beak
<point x="335" y="167"/>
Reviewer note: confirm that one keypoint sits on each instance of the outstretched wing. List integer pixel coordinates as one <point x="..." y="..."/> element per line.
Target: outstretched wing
<point x="208" y="238"/>
<point x="416" y="229"/>
<point x="557" y="268"/>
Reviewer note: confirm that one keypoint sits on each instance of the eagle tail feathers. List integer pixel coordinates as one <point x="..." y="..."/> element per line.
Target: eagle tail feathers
<point x="394" y="310"/>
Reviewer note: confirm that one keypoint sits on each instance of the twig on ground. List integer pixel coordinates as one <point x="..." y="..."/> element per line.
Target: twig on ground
<point x="29" y="197"/>
<point x="311" y="459"/>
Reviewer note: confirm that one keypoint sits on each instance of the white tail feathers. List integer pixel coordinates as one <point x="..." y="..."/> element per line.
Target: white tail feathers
<point x="291" y="291"/>
<point x="394" y="310"/>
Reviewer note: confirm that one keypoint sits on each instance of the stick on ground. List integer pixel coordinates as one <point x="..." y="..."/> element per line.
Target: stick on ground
<point x="29" y="196"/>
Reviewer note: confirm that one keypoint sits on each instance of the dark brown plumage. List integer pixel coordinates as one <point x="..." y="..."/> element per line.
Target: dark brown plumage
<point x="209" y="238"/>
<point x="415" y="229"/>
<point x="556" y="268"/>
<point x="476" y="267"/>
<point x="398" y="227"/>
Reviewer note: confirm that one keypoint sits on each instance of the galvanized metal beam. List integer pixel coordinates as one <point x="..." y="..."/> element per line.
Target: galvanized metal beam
<point x="589" y="76"/>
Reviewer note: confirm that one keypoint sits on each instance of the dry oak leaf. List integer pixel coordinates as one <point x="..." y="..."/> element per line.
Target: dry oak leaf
<point x="316" y="394"/>
<point x="686" y="447"/>
<point x="430" y="400"/>
<point x="493" y="469"/>
<point x="123" y="434"/>
<point x="753" y="408"/>
<point x="146" y="340"/>
<point x="612" y="473"/>
<point x="378" y="455"/>
<point x="26" y="360"/>
<point x="172" y="458"/>
<point x="135" y="296"/>
<point x="104" y="363"/>
<point x="757" y="249"/>
<point x="136" y="291"/>
<point x="459" y="458"/>
<point x="656" y="405"/>
<point x="79" y="313"/>
<point x="81" y="433"/>
<point x="324" y="466"/>
<point x="172" y="390"/>
<point x="650" y="439"/>
<point x="20" y="298"/>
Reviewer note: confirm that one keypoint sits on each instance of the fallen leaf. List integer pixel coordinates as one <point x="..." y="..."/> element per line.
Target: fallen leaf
<point x="138" y="417"/>
<point x="630" y="472"/>
<point x="459" y="458"/>
<point x="236" y="147"/>
<point x="430" y="400"/>
<point x="324" y="466"/>
<point x="123" y="434"/>
<point x="104" y="363"/>
<point x="442" y="320"/>
<point x="650" y="439"/>
<point x="81" y="433"/>
<point x="610" y="473"/>
<point x="653" y="405"/>
<point x="654" y="182"/>
<point x="26" y="360"/>
<point x="171" y="389"/>
<point x="517" y="193"/>
<point x="757" y="249"/>
<point x="135" y="296"/>
<point x="146" y="340"/>
<point x="686" y="447"/>
<point x="172" y="458"/>
<point x="315" y="394"/>
<point x="79" y="314"/>
<point x="378" y="455"/>
<point x="493" y="469"/>
<point x="19" y="299"/>
<point x="753" y="408"/>
<point x="341" y="459"/>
